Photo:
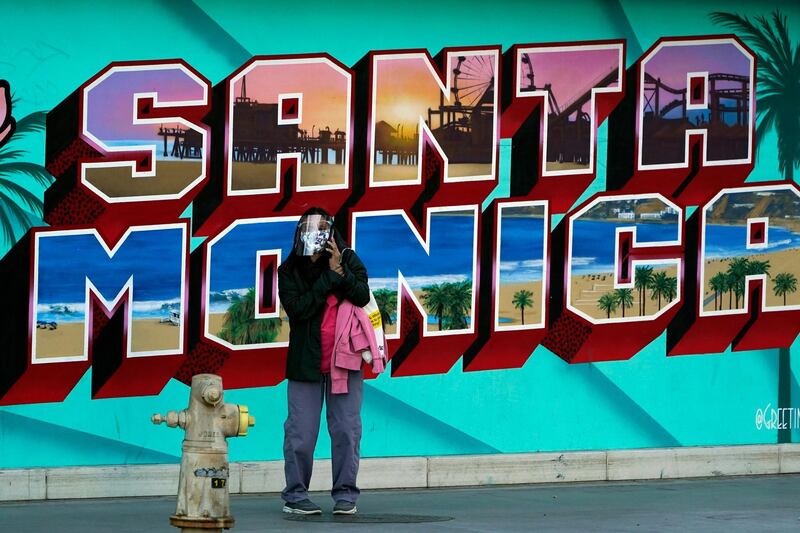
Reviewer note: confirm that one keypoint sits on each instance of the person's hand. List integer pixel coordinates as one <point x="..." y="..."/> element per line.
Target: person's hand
<point x="335" y="260"/>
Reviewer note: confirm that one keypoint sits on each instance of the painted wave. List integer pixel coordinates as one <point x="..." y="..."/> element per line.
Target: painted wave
<point x="220" y="301"/>
<point x="416" y="282"/>
<point x="76" y="311"/>
<point x="725" y="241"/>
<point x="521" y="271"/>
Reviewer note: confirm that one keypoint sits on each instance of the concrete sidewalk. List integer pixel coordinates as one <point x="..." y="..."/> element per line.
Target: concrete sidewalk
<point x="746" y="504"/>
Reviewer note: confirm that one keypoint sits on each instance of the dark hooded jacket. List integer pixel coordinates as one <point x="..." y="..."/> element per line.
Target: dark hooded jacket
<point x="303" y="287"/>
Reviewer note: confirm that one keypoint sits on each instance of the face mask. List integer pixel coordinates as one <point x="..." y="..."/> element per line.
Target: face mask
<point x="312" y="235"/>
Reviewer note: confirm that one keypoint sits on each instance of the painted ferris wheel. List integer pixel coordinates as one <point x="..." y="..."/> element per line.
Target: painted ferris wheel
<point x="467" y="119"/>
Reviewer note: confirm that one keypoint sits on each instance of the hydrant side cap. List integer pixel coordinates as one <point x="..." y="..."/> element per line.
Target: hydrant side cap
<point x="245" y="420"/>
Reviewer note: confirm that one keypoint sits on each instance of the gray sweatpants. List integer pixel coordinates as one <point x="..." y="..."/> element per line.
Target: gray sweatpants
<point x="302" y="428"/>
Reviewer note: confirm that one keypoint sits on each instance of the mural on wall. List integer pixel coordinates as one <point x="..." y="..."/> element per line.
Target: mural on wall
<point x="76" y="267"/>
<point x="234" y="315"/>
<point x="170" y="152"/>
<point x="437" y="270"/>
<point x="751" y="234"/>
<point x="403" y="147"/>
<point x="558" y="95"/>
<point x="409" y="102"/>
<point x="296" y="110"/>
<point x="604" y="282"/>
<point x="569" y="78"/>
<point x="520" y="265"/>
<point x="691" y="103"/>
<point x="687" y="88"/>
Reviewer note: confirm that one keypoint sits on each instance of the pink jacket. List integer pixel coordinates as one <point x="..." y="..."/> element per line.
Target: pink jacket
<point x="354" y="334"/>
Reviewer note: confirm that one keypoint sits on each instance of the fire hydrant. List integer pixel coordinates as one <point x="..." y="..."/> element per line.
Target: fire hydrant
<point x="203" y="492"/>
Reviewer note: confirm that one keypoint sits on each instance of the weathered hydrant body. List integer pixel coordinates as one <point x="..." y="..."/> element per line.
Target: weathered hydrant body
<point x="203" y="493"/>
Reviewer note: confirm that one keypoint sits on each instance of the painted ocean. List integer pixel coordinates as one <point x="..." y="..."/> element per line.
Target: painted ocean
<point x="593" y="242"/>
<point x="153" y="258"/>
<point x="594" y="249"/>
<point x="386" y="244"/>
<point x="155" y="140"/>
<point x="233" y="259"/>
<point x="521" y="258"/>
<point x="724" y="241"/>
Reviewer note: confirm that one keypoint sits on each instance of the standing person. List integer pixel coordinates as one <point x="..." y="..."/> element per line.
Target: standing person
<point x="318" y="274"/>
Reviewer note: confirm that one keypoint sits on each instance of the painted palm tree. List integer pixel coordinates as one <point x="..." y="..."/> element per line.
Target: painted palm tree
<point x="387" y="303"/>
<point x="450" y="303"/>
<point x="522" y="299"/>
<point x="783" y="284"/>
<point x="737" y="270"/>
<point x="607" y="303"/>
<point x="659" y="288"/>
<point x="19" y="207"/>
<point x="755" y="267"/>
<point x="642" y="280"/>
<point x="752" y="267"/>
<point x="436" y="298"/>
<point x="241" y="327"/>
<point x="719" y="284"/>
<point x="672" y="288"/>
<point x="778" y="79"/>
<point x="624" y="297"/>
<point x="460" y="305"/>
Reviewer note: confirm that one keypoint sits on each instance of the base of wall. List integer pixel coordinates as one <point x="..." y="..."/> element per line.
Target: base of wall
<point x="416" y="472"/>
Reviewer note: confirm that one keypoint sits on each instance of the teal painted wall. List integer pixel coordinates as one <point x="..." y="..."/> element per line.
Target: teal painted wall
<point x="49" y="48"/>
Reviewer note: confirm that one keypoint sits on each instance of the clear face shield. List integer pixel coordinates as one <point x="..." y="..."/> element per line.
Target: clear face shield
<point x="313" y="233"/>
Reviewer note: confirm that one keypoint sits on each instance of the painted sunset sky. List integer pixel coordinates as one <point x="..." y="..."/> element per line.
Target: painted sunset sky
<point x="571" y="73"/>
<point x="110" y="106"/>
<point x="324" y="91"/>
<point x="406" y="89"/>
<point x="673" y="62"/>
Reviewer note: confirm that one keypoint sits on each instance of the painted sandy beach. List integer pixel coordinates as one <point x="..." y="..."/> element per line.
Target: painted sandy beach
<point x="728" y="259"/>
<point x="555" y="166"/>
<point x="383" y="173"/>
<point x="150" y="334"/>
<point x="172" y="177"/>
<point x="247" y="176"/>
<point x="587" y="289"/>
<point x="592" y="287"/>
<point x="64" y="341"/>
<point x="67" y="261"/>
<point x="511" y="316"/>
<point x="783" y="261"/>
<point x="390" y="329"/>
<point x="68" y="338"/>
